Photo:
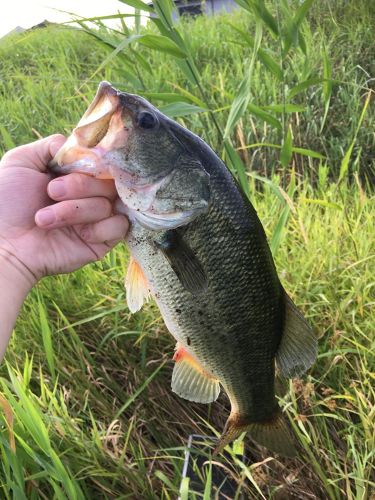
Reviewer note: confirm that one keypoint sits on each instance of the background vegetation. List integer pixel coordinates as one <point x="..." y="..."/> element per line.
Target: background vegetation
<point x="283" y="93"/>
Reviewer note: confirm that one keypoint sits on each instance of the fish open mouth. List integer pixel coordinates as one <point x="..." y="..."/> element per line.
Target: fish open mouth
<point x="101" y="129"/>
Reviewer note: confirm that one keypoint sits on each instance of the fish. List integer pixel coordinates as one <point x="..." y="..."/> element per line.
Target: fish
<point x="200" y="251"/>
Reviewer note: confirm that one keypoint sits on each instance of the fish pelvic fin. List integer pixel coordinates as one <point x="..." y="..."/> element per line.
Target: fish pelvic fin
<point x="299" y="345"/>
<point x="274" y="434"/>
<point x="191" y="381"/>
<point x="136" y="285"/>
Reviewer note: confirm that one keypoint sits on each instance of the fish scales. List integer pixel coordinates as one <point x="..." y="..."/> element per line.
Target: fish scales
<point x="198" y="247"/>
<point x="235" y="326"/>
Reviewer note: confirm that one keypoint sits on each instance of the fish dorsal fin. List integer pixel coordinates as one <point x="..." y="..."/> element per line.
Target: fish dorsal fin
<point x="299" y="345"/>
<point x="136" y="285"/>
<point x="191" y="381"/>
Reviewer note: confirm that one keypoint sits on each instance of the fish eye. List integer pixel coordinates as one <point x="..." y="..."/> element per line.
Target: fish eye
<point x="146" y="120"/>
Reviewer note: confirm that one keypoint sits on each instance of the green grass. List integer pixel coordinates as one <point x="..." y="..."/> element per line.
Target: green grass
<point x="89" y="384"/>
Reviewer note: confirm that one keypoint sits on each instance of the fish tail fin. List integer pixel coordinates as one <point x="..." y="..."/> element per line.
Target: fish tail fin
<point x="273" y="434"/>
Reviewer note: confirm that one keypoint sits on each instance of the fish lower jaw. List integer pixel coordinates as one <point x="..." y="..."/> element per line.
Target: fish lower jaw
<point x="153" y="221"/>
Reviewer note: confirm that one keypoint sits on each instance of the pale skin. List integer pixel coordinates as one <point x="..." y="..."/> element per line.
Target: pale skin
<point x="48" y="226"/>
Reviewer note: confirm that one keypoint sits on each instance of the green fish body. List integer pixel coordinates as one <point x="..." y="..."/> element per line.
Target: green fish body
<point x="199" y="249"/>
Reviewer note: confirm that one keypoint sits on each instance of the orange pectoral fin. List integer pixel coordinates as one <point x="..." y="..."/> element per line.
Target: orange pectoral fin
<point x="191" y="381"/>
<point x="136" y="284"/>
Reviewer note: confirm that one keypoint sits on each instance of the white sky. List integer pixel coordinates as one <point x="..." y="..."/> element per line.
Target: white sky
<point x="27" y="13"/>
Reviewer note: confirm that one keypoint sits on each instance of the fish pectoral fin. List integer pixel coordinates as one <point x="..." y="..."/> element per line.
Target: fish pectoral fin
<point x="183" y="261"/>
<point x="299" y="345"/>
<point x="190" y="381"/>
<point x="274" y="434"/>
<point x="136" y="285"/>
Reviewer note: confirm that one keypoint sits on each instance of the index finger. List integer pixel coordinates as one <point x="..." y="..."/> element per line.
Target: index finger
<point x="35" y="155"/>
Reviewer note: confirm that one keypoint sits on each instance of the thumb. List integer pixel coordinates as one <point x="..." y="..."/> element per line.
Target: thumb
<point x="35" y="155"/>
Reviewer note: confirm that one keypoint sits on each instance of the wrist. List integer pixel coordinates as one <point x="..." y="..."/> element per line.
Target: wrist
<point x="15" y="283"/>
<point x="15" y="275"/>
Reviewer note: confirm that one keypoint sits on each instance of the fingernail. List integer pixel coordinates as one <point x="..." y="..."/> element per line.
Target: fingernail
<point x="45" y="217"/>
<point x="56" y="188"/>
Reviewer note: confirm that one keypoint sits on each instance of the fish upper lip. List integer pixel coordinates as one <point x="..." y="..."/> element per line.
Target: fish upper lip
<point x="92" y="128"/>
<point x="90" y="143"/>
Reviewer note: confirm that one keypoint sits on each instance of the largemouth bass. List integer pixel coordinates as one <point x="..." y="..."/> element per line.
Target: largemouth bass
<point x="198" y="248"/>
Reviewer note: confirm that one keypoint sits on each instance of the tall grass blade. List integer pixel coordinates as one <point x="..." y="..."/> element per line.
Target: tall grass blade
<point x="287" y="149"/>
<point x="242" y="99"/>
<point x="208" y="485"/>
<point x="142" y="61"/>
<point x="138" y="4"/>
<point x="137" y="21"/>
<point x="300" y="87"/>
<point x="7" y="139"/>
<point x="284" y="108"/>
<point x="264" y="116"/>
<point x="259" y="9"/>
<point x="293" y="35"/>
<point x="8" y="415"/>
<point x="124" y="43"/>
<point x="167" y="97"/>
<point x="308" y="152"/>
<point x="344" y="167"/>
<point x="236" y="165"/>
<point x="140" y="389"/>
<point x="165" y="9"/>
<point x="184" y="488"/>
<point x="239" y="105"/>
<point x="162" y="44"/>
<point x="279" y="229"/>
<point x="176" y="109"/>
<point x="327" y="85"/>
<point x="263" y="55"/>
<point x="47" y="338"/>
<point x="188" y="95"/>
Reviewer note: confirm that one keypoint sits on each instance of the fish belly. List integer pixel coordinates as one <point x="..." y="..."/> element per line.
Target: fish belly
<point x="231" y="328"/>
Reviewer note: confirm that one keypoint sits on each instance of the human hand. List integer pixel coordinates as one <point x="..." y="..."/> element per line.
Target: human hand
<point x="40" y="237"/>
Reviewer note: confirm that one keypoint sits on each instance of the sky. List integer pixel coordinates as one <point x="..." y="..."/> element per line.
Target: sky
<point x="27" y="13"/>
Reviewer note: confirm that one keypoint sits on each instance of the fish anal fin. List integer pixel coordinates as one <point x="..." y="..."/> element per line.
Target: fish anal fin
<point x="299" y="345"/>
<point x="192" y="382"/>
<point x="273" y="434"/>
<point x="136" y="285"/>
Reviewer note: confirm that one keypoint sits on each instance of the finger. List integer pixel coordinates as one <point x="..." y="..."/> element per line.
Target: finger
<point x="72" y="212"/>
<point x="110" y="231"/>
<point x="77" y="186"/>
<point x="35" y="155"/>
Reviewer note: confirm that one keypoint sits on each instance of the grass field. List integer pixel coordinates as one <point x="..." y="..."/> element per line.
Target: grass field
<point x="89" y="384"/>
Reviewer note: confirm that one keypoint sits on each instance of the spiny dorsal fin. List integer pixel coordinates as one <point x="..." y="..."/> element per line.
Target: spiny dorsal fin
<point x="298" y="347"/>
<point x="190" y="381"/>
<point x="137" y="291"/>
